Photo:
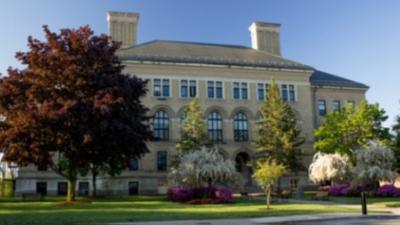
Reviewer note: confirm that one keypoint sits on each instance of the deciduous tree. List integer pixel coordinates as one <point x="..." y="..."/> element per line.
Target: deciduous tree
<point x="374" y="164"/>
<point x="72" y="107"/>
<point x="329" y="168"/>
<point x="351" y="128"/>
<point x="267" y="173"/>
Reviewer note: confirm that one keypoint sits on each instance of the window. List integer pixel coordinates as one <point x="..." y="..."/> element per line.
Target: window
<point x="262" y="90"/>
<point x="160" y="126"/>
<point x="188" y="88"/>
<point x="41" y="188"/>
<point x="192" y="89"/>
<point x="62" y="188"/>
<point x="184" y="88"/>
<point x="133" y="188"/>
<point x="292" y="96"/>
<point x="351" y="103"/>
<point x="336" y="105"/>
<point x="133" y="164"/>
<point x="236" y="90"/>
<point x="165" y="87"/>
<point x="162" y="161"/>
<point x="240" y="90"/>
<point x="83" y="188"/>
<point x="288" y="93"/>
<point x="322" y="107"/>
<point x="157" y="87"/>
<point x="210" y="89"/>
<point x="161" y="87"/>
<point x="214" y="89"/>
<point x="284" y="92"/>
<point x="215" y="127"/>
<point x="240" y="128"/>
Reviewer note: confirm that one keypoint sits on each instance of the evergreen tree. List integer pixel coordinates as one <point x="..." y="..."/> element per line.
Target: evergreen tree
<point x="352" y="128"/>
<point x="396" y="142"/>
<point x="193" y="130"/>
<point x="278" y="132"/>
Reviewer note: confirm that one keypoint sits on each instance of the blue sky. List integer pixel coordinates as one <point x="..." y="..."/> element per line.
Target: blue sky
<point x="358" y="39"/>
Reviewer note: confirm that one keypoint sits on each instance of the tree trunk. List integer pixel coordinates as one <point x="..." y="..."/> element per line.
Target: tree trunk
<point x="71" y="190"/>
<point x="268" y="196"/>
<point x="94" y="176"/>
<point x="209" y="187"/>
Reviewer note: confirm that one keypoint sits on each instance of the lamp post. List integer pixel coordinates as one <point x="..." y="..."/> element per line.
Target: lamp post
<point x="364" y="203"/>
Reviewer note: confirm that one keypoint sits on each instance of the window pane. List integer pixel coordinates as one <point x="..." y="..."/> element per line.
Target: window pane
<point x="240" y="132"/>
<point x="215" y="127"/>
<point x="292" y="97"/>
<point x="157" y="87"/>
<point x="160" y="126"/>
<point x="218" y="89"/>
<point x="336" y="105"/>
<point x="260" y="92"/>
<point x="133" y="164"/>
<point x="165" y="87"/>
<point x="162" y="161"/>
<point x="236" y="94"/>
<point x="284" y="92"/>
<point x="210" y="85"/>
<point x="244" y="91"/>
<point x="192" y="90"/>
<point x="322" y="107"/>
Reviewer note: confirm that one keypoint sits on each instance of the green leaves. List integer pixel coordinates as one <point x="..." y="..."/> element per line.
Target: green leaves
<point x="351" y="128"/>
<point x="193" y="129"/>
<point x="278" y="132"/>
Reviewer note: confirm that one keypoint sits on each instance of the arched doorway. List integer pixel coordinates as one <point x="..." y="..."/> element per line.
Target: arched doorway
<point x="242" y="161"/>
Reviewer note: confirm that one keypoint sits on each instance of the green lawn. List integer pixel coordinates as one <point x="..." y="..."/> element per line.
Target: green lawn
<point x="390" y="201"/>
<point x="141" y="208"/>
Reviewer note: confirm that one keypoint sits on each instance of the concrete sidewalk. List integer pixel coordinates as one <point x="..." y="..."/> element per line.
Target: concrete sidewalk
<point x="265" y="220"/>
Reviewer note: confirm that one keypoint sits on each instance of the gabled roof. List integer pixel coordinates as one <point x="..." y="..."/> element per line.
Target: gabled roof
<point x="319" y="78"/>
<point x="204" y="53"/>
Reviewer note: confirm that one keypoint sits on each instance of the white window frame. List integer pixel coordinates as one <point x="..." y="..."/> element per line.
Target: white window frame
<point x="188" y="86"/>
<point x="161" y="87"/>
<point x="288" y="91"/>
<point x="264" y="88"/>
<point x="215" y="89"/>
<point x="240" y="90"/>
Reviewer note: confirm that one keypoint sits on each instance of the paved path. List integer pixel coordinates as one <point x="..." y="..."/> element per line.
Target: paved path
<point x="382" y="213"/>
<point x="298" y="219"/>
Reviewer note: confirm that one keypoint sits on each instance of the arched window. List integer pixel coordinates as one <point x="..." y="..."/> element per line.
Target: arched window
<point x="240" y="127"/>
<point x="161" y="126"/>
<point x="215" y="127"/>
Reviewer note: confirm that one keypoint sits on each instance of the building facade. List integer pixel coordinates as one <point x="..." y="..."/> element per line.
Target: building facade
<point x="229" y="82"/>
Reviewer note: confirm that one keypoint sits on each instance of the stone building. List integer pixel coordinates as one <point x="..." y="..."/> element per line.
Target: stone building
<point x="230" y="83"/>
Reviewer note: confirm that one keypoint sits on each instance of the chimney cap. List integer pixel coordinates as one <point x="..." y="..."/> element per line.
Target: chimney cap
<point x="122" y="16"/>
<point x="266" y="24"/>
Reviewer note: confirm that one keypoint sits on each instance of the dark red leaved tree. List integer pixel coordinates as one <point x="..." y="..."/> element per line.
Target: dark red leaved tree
<point x="71" y="108"/>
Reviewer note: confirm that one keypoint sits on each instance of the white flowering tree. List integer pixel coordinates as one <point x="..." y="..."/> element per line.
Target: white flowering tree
<point x="374" y="164"/>
<point x="329" y="167"/>
<point x="205" y="166"/>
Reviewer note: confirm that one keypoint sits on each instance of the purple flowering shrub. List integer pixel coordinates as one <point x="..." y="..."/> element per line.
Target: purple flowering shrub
<point x="339" y="190"/>
<point x="223" y="195"/>
<point x="388" y="190"/>
<point x="218" y="195"/>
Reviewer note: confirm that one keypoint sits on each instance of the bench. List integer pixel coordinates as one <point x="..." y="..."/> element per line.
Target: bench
<point x="245" y="195"/>
<point x="32" y="197"/>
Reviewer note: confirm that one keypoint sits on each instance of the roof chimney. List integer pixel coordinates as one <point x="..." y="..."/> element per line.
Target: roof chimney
<point x="122" y="26"/>
<point x="265" y="37"/>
